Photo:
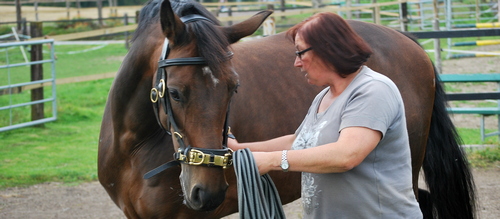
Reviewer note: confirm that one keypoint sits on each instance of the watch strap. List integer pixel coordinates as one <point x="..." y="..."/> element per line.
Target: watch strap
<point x="284" y="161"/>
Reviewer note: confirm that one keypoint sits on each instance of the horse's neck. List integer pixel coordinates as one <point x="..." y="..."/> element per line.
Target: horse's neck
<point x="131" y="107"/>
<point x="139" y="66"/>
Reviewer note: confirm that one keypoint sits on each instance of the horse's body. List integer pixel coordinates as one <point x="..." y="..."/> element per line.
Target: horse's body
<point x="272" y="100"/>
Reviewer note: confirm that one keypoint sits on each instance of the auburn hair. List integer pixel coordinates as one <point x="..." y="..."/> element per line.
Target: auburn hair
<point x="334" y="41"/>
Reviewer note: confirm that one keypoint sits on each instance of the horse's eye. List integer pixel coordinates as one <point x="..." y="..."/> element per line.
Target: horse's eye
<point x="174" y="94"/>
<point x="236" y="88"/>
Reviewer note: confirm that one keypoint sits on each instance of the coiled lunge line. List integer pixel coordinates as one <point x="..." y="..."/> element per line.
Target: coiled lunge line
<point x="257" y="195"/>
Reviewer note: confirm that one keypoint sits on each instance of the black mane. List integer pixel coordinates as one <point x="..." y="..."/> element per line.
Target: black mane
<point x="212" y="43"/>
<point x="149" y="14"/>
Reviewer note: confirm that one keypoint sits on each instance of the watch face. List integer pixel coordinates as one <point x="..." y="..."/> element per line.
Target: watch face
<point x="284" y="165"/>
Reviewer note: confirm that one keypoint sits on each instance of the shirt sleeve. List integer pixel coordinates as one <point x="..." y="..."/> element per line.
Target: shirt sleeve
<point x="374" y="105"/>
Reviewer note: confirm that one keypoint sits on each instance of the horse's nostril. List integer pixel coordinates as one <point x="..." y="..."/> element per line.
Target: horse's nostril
<point x="205" y="201"/>
<point x="197" y="195"/>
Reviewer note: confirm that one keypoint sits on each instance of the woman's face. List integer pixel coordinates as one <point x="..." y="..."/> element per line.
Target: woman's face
<point x="310" y="64"/>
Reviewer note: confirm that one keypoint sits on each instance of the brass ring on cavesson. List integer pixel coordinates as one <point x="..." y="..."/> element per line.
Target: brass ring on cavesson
<point x="162" y="84"/>
<point x="178" y="135"/>
<point x="155" y="98"/>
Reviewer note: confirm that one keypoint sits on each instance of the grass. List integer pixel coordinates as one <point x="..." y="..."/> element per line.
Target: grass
<point x="66" y="150"/>
<point x="472" y="136"/>
<point x="485" y="158"/>
<point x="73" y="60"/>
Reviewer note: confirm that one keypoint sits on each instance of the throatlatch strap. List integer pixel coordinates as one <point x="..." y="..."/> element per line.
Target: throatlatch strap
<point x="257" y="195"/>
<point x="161" y="168"/>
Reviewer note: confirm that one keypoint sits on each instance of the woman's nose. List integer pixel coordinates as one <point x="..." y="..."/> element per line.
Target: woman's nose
<point x="297" y="62"/>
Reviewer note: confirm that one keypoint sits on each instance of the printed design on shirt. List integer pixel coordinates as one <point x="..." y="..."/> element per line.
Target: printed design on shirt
<point x="308" y="137"/>
<point x="308" y="193"/>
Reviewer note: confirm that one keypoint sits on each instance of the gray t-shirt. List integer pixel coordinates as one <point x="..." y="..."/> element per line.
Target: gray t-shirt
<point x="379" y="187"/>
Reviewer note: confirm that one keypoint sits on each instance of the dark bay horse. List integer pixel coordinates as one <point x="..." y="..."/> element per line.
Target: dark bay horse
<point x="272" y="99"/>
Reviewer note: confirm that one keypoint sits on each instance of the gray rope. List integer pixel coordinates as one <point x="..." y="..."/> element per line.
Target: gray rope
<point x="257" y="195"/>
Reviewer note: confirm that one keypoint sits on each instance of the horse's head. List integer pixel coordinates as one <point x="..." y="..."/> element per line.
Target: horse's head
<point x="191" y="94"/>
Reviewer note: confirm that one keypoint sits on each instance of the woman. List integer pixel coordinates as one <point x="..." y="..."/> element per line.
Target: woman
<point x="352" y="147"/>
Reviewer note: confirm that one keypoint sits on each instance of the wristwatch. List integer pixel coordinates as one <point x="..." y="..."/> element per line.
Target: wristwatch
<point x="284" y="161"/>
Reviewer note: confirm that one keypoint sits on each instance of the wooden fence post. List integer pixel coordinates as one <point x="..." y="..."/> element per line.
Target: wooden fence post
<point x="99" y="12"/>
<point x="348" y="4"/>
<point x="36" y="10"/>
<point x="79" y="7"/>
<point x="24" y="28"/>
<point x="269" y="25"/>
<point x="283" y="6"/>
<point x="478" y="12"/>
<point x="404" y="16"/>
<point x="318" y="3"/>
<point x="36" y="72"/>
<point x="230" y="14"/>
<point x="376" y="13"/>
<point x="18" y="14"/>
<point x="137" y="13"/>
<point x="437" y="42"/>
<point x="125" y="22"/>
<point x="110" y="3"/>
<point x="68" y="16"/>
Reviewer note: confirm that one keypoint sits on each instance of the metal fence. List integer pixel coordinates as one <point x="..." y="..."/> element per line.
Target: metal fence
<point x="454" y="13"/>
<point x="421" y="13"/>
<point x="12" y="86"/>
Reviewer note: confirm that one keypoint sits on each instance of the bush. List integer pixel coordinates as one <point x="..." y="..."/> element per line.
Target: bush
<point x="5" y="29"/>
<point x="76" y="24"/>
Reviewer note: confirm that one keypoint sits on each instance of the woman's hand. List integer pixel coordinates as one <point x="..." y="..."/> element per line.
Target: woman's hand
<point x="233" y="144"/>
<point x="267" y="154"/>
<point x="267" y="161"/>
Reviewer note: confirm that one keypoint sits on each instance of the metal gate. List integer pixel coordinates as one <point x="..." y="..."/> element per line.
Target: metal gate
<point x="15" y="86"/>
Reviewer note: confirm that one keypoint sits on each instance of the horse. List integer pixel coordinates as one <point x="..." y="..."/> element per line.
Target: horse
<point x="186" y="79"/>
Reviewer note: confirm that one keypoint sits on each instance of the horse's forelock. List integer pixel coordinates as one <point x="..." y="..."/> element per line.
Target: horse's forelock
<point x="149" y="14"/>
<point x="187" y="7"/>
<point x="211" y="41"/>
<point x="212" y="45"/>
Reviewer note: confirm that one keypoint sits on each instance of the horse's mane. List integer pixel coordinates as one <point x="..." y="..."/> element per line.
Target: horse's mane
<point x="210" y="40"/>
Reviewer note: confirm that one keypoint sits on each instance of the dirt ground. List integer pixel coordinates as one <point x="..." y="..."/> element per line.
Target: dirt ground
<point x="89" y="200"/>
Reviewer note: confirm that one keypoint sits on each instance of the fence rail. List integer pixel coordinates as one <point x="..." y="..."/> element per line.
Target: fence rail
<point x="45" y="83"/>
<point x="420" y="13"/>
<point x="37" y="100"/>
<point x="410" y="15"/>
<point x="483" y="111"/>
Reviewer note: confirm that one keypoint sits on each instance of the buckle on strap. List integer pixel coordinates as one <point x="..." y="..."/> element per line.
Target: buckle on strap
<point x="198" y="157"/>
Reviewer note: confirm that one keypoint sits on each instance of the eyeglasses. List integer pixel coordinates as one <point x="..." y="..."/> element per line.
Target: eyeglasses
<point x="300" y="53"/>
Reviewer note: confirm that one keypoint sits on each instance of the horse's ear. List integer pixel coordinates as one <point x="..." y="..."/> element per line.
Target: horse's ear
<point x="171" y="24"/>
<point x="247" y="27"/>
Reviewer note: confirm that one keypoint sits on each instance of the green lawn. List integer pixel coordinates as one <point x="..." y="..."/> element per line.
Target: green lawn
<point x="66" y="150"/>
